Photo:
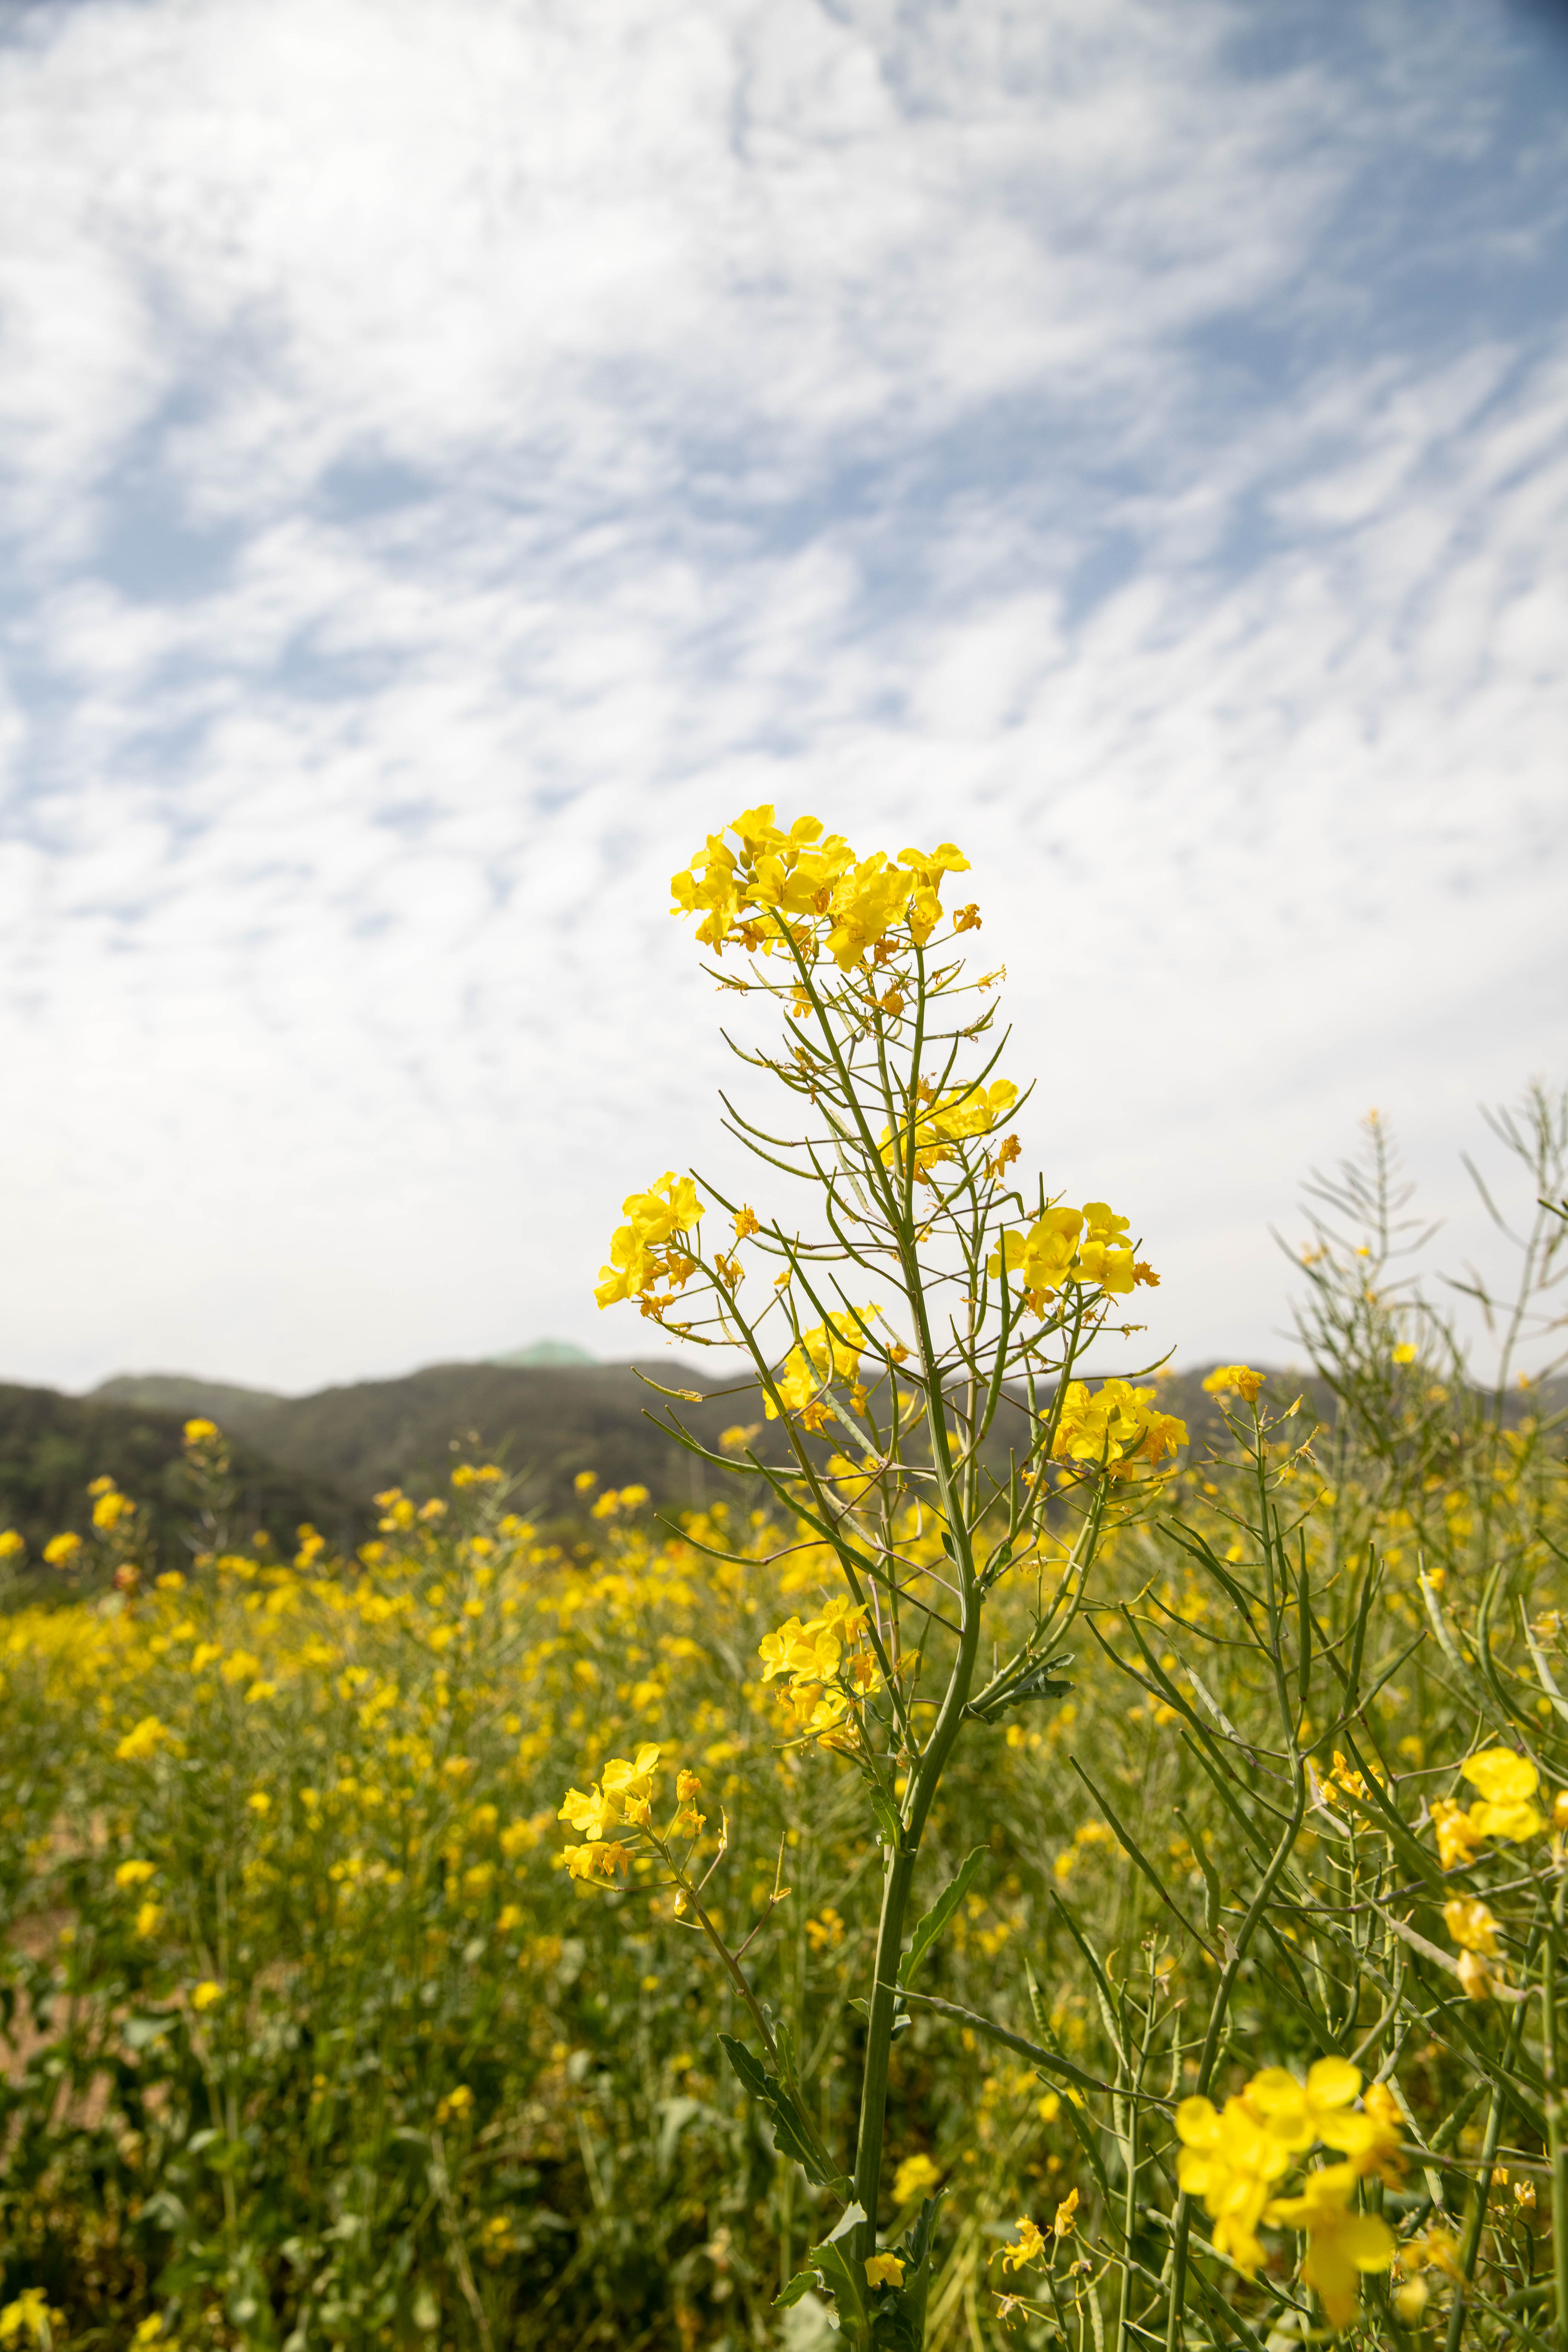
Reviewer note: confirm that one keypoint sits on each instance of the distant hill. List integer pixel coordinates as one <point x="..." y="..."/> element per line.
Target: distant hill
<point x="188" y="1394"/>
<point x="53" y="1446"/>
<point x="548" y="1420"/>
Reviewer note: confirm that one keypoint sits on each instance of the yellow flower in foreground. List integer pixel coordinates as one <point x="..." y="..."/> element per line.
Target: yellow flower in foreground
<point x="29" y="2315"/>
<point x="1506" y="1782"/>
<point x="1230" y="2161"/>
<point x="884" y="2270"/>
<point x="1026" y="2247"/>
<point x="915" y="2178"/>
<point x="1340" y="2242"/>
<point x="135" y="1873"/>
<point x="206" y="1994"/>
<point x="1064" y="2220"/>
<point x="1372" y="2139"/>
<point x="1297" y="2114"/>
<point x="1240" y="1379"/>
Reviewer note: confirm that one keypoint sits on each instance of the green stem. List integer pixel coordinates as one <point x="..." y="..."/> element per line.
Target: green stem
<point x="1557" y="2148"/>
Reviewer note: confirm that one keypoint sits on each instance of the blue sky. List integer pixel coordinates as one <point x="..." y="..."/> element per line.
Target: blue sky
<point x="453" y="457"/>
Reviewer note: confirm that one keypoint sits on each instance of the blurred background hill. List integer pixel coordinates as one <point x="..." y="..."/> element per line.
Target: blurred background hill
<point x="545" y="1416"/>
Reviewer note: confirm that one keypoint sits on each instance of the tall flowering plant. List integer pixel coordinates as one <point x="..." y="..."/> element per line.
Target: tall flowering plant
<point x="918" y="1338"/>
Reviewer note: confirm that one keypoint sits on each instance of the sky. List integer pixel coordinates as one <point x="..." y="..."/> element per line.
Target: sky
<point x="454" y="457"/>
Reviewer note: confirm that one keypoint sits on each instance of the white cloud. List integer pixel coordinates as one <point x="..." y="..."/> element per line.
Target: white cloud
<point x="454" y="457"/>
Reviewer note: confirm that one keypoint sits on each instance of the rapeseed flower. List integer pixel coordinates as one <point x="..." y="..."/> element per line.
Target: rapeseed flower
<point x="884" y="2270"/>
<point x="1506" y="1782"/>
<point x="1230" y="2161"/>
<point x="142" y="1740"/>
<point x="916" y="2176"/>
<point x="1026" y="2247"/>
<point x="1340" y="2242"/>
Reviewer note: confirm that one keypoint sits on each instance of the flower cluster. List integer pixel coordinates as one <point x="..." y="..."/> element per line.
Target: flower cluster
<point x="811" y="886"/>
<point x="1232" y="2157"/>
<point x="623" y="1797"/>
<point x="953" y="1117"/>
<point x="1114" y="1428"/>
<point x="829" y="1667"/>
<point x="1066" y="1245"/>
<point x="1235" y="1379"/>
<point x="1506" y="1782"/>
<point x="832" y="1351"/>
<point x="647" y="1250"/>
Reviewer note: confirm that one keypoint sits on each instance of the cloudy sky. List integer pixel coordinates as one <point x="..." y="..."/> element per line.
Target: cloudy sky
<point x="454" y="453"/>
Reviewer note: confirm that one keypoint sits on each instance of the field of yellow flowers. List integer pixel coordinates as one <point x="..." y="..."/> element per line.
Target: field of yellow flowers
<point x="762" y="1929"/>
<point x="311" y="2039"/>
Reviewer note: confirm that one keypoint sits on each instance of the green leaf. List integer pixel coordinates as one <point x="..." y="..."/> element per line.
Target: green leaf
<point x="802" y="2284"/>
<point x="1043" y="1681"/>
<point x="753" y="2074"/>
<point x="928" y="1929"/>
<point x="793" y="2136"/>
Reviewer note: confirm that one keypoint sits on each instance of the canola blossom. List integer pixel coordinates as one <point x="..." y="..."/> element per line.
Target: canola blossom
<point x="1233" y="2157"/>
<point x="809" y="887"/>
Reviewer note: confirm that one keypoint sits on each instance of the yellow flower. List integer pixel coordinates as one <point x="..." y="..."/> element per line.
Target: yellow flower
<point x="61" y="1549"/>
<point x="1229" y="2160"/>
<point x="1372" y="2139"/>
<point x="150" y="2329"/>
<point x="954" y="1117"/>
<point x="455" y="2103"/>
<point x="147" y="1919"/>
<point x="596" y="1860"/>
<point x="1340" y="2242"/>
<point x="30" y="2316"/>
<point x="1404" y="1353"/>
<point x="109" y="1509"/>
<point x="199" y="1432"/>
<point x="1297" y="2114"/>
<point x="641" y="1255"/>
<point x="1234" y="1379"/>
<point x="916" y="2176"/>
<point x="593" y="1814"/>
<point x="11" y="1543"/>
<point x="259" y="1802"/>
<point x="1506" y="1782"/>
<point x="884" y="2270"/>
<point x="1475" y="1977"/>
<point x="1471" y="1925"/>
<point x="206" y="1994"/>
<point x="1457" y="1835"/>
<point x="135" y="1873"/>
<point x="1433" y="2250"/>
<point x="1064" y="2220"/>
<point x="1026" y="2247"/>
<point x="1114" y="1427"/>
<point x="142" y="1740"/>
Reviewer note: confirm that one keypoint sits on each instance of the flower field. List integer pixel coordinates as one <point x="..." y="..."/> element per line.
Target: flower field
<point x="1091" y="1890"/>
